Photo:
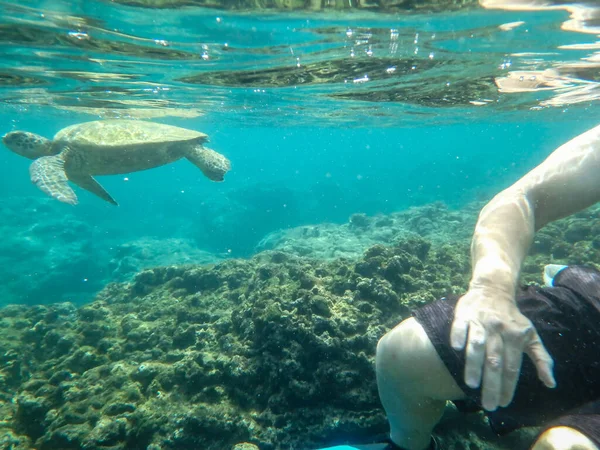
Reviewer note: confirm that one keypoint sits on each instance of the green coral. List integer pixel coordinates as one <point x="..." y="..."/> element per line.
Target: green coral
<point x="209" y="356"/>
<point x="276" y="351"/>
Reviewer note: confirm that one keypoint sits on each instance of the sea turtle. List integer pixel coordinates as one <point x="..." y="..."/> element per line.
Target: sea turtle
<point x="109" y="147"/>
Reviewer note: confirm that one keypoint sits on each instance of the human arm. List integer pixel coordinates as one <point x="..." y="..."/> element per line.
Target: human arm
<point x="487" y="322"/>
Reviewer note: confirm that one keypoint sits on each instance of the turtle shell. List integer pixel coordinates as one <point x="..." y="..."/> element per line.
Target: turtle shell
<point x="124" y="133"/>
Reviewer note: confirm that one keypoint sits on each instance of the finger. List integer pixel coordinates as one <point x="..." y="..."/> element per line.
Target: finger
<point x="492" y="372"/>
<point x="513" y="358"/>
<point x="458" y="334"/>
<point x="475" y="356"/>
<point x="544" y="363"/>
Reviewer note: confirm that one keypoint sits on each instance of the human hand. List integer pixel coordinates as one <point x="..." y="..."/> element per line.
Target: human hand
<point x="496" y="334"/>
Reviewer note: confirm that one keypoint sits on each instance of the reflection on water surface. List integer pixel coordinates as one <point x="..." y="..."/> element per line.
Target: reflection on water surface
<point x="376" y="64"/>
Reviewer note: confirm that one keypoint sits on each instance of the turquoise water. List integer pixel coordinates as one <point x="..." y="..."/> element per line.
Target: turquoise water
<point x="323" y="115"/>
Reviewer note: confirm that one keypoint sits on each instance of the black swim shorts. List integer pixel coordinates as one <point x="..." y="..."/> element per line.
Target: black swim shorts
<point x="567" y="318"/>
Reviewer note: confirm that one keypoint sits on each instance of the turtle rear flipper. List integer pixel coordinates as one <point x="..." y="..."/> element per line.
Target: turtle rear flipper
<point x="48" y="173"/>
<point x="89" y="183"/>
<point x="212" y="164"/>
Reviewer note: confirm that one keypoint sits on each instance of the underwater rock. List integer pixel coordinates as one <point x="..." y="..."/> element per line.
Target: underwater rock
<point x="245" y="446"/>
<point x="542" y="243"/>
<point x="571" y="240"/>
<point x="561" y="249"/>
<point x="359" y="220"/>
<point x="276" y="351"/>
<point x="273" y="350"/>
<point x="578" y="230"/>
<point x="326" y="241"/>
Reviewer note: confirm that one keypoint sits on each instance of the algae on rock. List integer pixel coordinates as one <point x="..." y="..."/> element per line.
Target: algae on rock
<point x="275" y="351"/>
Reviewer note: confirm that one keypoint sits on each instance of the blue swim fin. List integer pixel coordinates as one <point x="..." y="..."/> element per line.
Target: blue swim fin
<point x="550" y="272"/>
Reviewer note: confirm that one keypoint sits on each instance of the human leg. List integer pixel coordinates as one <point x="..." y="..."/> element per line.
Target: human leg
<point x="565" y="316"/>
<point x="414" y="384"/>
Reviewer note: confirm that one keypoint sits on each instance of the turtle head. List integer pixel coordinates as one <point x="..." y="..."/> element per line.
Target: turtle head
<point x="27" y="144"/>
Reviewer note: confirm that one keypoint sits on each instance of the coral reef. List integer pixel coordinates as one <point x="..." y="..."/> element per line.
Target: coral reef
<point x="274" y="352"/>
<point x="573" y="240"/>
<point x="434" y="221"/>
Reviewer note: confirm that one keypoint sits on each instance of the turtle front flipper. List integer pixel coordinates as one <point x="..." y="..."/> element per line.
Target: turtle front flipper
<point x="48" y="173"/>
<point x="88" y="183"/>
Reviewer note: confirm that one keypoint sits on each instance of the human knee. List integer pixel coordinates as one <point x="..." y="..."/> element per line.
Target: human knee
<point x="407" y="359"/>
<point x="392" y="347"/>
<point x="563" y="438"/>
<point x="402" y="348"/>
